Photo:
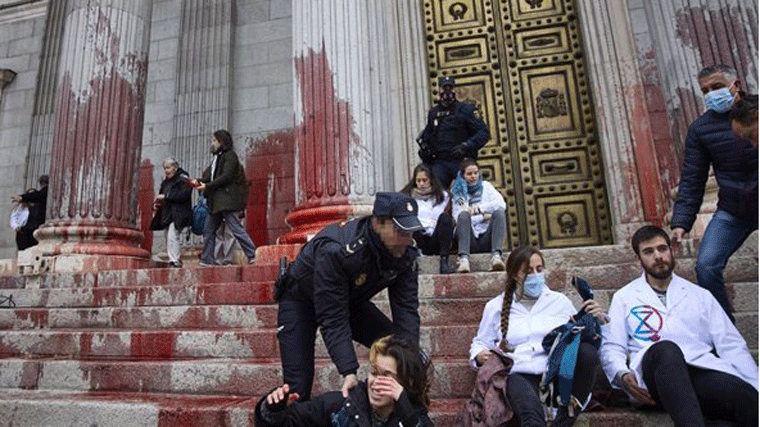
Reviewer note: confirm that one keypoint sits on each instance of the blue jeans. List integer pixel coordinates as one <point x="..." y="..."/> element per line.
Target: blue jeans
<point x="445" y="171"/>
<point x="724" y="235"/>
<point x="232" y="221"/>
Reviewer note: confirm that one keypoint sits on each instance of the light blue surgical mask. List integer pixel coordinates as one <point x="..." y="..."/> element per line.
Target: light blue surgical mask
<point x="719" y="100"/>
<point x="534" y="285"/>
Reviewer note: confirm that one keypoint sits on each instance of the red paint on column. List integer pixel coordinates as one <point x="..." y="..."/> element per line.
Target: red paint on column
<point x="270" y="170"/>
<point x="322" y="141"/>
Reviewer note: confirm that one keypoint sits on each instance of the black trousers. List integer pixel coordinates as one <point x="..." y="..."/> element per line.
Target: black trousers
<point x="690" y="394"/>
<point x="297" y="332"/>
<point x="523" y="388"/>
<point x="440" y="242"/>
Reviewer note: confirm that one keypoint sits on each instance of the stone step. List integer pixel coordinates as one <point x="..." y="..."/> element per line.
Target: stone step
<point x="432" y="312"/>
<point x="444" y="340"/>
<point x="46" y="408"/>
<point x="450" y="378"/>
<point x="449" y="340"/>
<point x="145" y="277"/>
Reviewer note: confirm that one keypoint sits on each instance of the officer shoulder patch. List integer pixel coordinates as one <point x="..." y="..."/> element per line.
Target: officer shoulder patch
<point x="344" y="222"/>
<point x="354" y="246"/>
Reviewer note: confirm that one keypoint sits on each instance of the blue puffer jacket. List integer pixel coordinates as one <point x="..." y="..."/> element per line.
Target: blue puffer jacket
<point x="710" y="140"/>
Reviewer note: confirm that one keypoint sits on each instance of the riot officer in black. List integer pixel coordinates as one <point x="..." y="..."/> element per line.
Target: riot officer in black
<point x="454" y="130"/>
<point x="331" y="283"/>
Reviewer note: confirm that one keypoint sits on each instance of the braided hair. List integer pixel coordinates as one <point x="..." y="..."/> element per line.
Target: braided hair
<point x="516" y="262"/>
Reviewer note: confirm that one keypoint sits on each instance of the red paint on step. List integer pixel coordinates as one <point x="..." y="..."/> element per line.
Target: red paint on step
<point x="152" y="344"/>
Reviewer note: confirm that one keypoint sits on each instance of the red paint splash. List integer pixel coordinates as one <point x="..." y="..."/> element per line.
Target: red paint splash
<point x="270" y="170"/>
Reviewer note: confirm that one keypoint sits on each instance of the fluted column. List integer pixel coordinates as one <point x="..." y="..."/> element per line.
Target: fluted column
<point x="350" y="66"/>
<point x="630" y="159"/>
<point x="92" y="200"/>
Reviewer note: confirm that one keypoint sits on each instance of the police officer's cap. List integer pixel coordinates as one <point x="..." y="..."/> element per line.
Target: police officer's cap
<point x="400" y="207"/>
<point x="446" y="81"/>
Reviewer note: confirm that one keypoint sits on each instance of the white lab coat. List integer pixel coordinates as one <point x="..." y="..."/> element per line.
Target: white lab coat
<point x="490" y="201"/>
<point x="693" y="320"/>
<point x="428" y="212"/>
<point x="527" y="329"/>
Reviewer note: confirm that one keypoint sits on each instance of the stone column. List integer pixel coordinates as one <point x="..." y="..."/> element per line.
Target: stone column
<point x="92" y="199"/>
<point x="353" y="71"/>
<point x="630" y="160"/>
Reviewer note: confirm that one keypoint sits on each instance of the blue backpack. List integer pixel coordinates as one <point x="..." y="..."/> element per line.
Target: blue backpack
<point x="200" y="216"/>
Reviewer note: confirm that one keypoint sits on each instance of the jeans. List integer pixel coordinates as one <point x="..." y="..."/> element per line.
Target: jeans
<point x="232" y="221"/>
<point x="724" y="235"/>
<point x="490" y="241"/>
<point x="690" y="394"/>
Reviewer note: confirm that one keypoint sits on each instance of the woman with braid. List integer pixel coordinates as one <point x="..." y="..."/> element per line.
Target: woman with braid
<point x="514" y="325"/>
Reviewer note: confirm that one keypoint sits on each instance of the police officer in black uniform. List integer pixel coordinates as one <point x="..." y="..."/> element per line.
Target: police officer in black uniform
<point x="454" y="130"/>
<point x="330" y="285"/>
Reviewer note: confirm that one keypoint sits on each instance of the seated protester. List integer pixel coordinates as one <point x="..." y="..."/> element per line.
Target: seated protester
<point x="481" y="222"/>
<point x="395" y="394"/>
<point x="743" y="117"/>
<point x="670" y="344"/>
<point x="514" y="325"/>
<point x="434" y="212"/>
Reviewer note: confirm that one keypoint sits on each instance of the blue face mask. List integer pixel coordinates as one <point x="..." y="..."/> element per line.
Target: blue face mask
<point x="534" y="285"/>
<point x="719" y="100"/>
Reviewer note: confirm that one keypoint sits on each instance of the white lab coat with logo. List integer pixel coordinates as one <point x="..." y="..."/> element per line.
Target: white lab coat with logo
<point x="527" y="329"/>
<point x="693" y="320"/>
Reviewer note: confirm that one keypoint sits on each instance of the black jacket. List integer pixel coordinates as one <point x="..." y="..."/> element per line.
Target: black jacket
<point x="177" y="205"/>
<point x="710" y="141"/>
<point x="38" y="208"/>
<point x="448" y="127"/>
<point x="344" y="266"/>
<point x="354" y="411"/>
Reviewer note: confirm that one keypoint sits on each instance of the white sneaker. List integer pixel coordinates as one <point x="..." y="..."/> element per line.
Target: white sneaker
<point x="464" y="264"/>
<point x="496" y="263"/>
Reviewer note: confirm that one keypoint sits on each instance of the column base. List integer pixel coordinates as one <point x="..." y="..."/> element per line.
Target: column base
<point x="81" y="246"/>
<point x="307" y="222"/>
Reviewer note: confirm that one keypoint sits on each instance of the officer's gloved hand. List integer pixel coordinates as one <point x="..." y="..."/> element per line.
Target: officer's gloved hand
<point x="461" y="151"/>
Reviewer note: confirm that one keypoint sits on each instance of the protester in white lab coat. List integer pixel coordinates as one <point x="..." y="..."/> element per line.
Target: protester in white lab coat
<point x="533" y="310"/>
<point x="685" y="354"/>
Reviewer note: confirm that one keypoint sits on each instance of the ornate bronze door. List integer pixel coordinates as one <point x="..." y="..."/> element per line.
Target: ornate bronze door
<point x="522" y="62"/>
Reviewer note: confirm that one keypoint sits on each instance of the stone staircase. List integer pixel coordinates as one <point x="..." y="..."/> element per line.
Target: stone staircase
<point x="197" y="346"/>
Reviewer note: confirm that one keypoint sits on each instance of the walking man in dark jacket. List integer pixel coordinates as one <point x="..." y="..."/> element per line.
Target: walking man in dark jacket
<point x="454" y="130"/>
<point x="711" y="142"/>
<point x="332" y="281"/>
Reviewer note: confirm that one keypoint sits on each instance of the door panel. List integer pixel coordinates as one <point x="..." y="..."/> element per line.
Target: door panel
<point x="521" y="62"/>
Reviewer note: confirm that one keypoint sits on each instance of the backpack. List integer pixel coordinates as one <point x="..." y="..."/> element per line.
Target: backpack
<point x="200" y="216"/>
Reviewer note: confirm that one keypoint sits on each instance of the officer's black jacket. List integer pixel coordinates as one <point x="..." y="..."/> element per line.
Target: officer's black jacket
<point x="344" y="266"/>
<point x="447" y="128"/>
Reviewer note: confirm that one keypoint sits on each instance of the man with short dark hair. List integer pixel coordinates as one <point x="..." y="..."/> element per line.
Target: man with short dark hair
<point x="454" y="130"/>
<point x="669" y="344"/>
<point x="710" y="141"/>
<point x="332" y="281"/>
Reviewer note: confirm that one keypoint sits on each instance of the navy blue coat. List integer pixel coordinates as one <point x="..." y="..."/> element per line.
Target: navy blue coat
<point x="447" y="128"/>
<point x="710" y="141"/>
<point x="344" y="266"/>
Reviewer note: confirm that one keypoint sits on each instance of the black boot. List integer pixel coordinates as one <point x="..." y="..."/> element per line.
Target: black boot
<point x="563" y="418"/>
<point x="445" y="267"/>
